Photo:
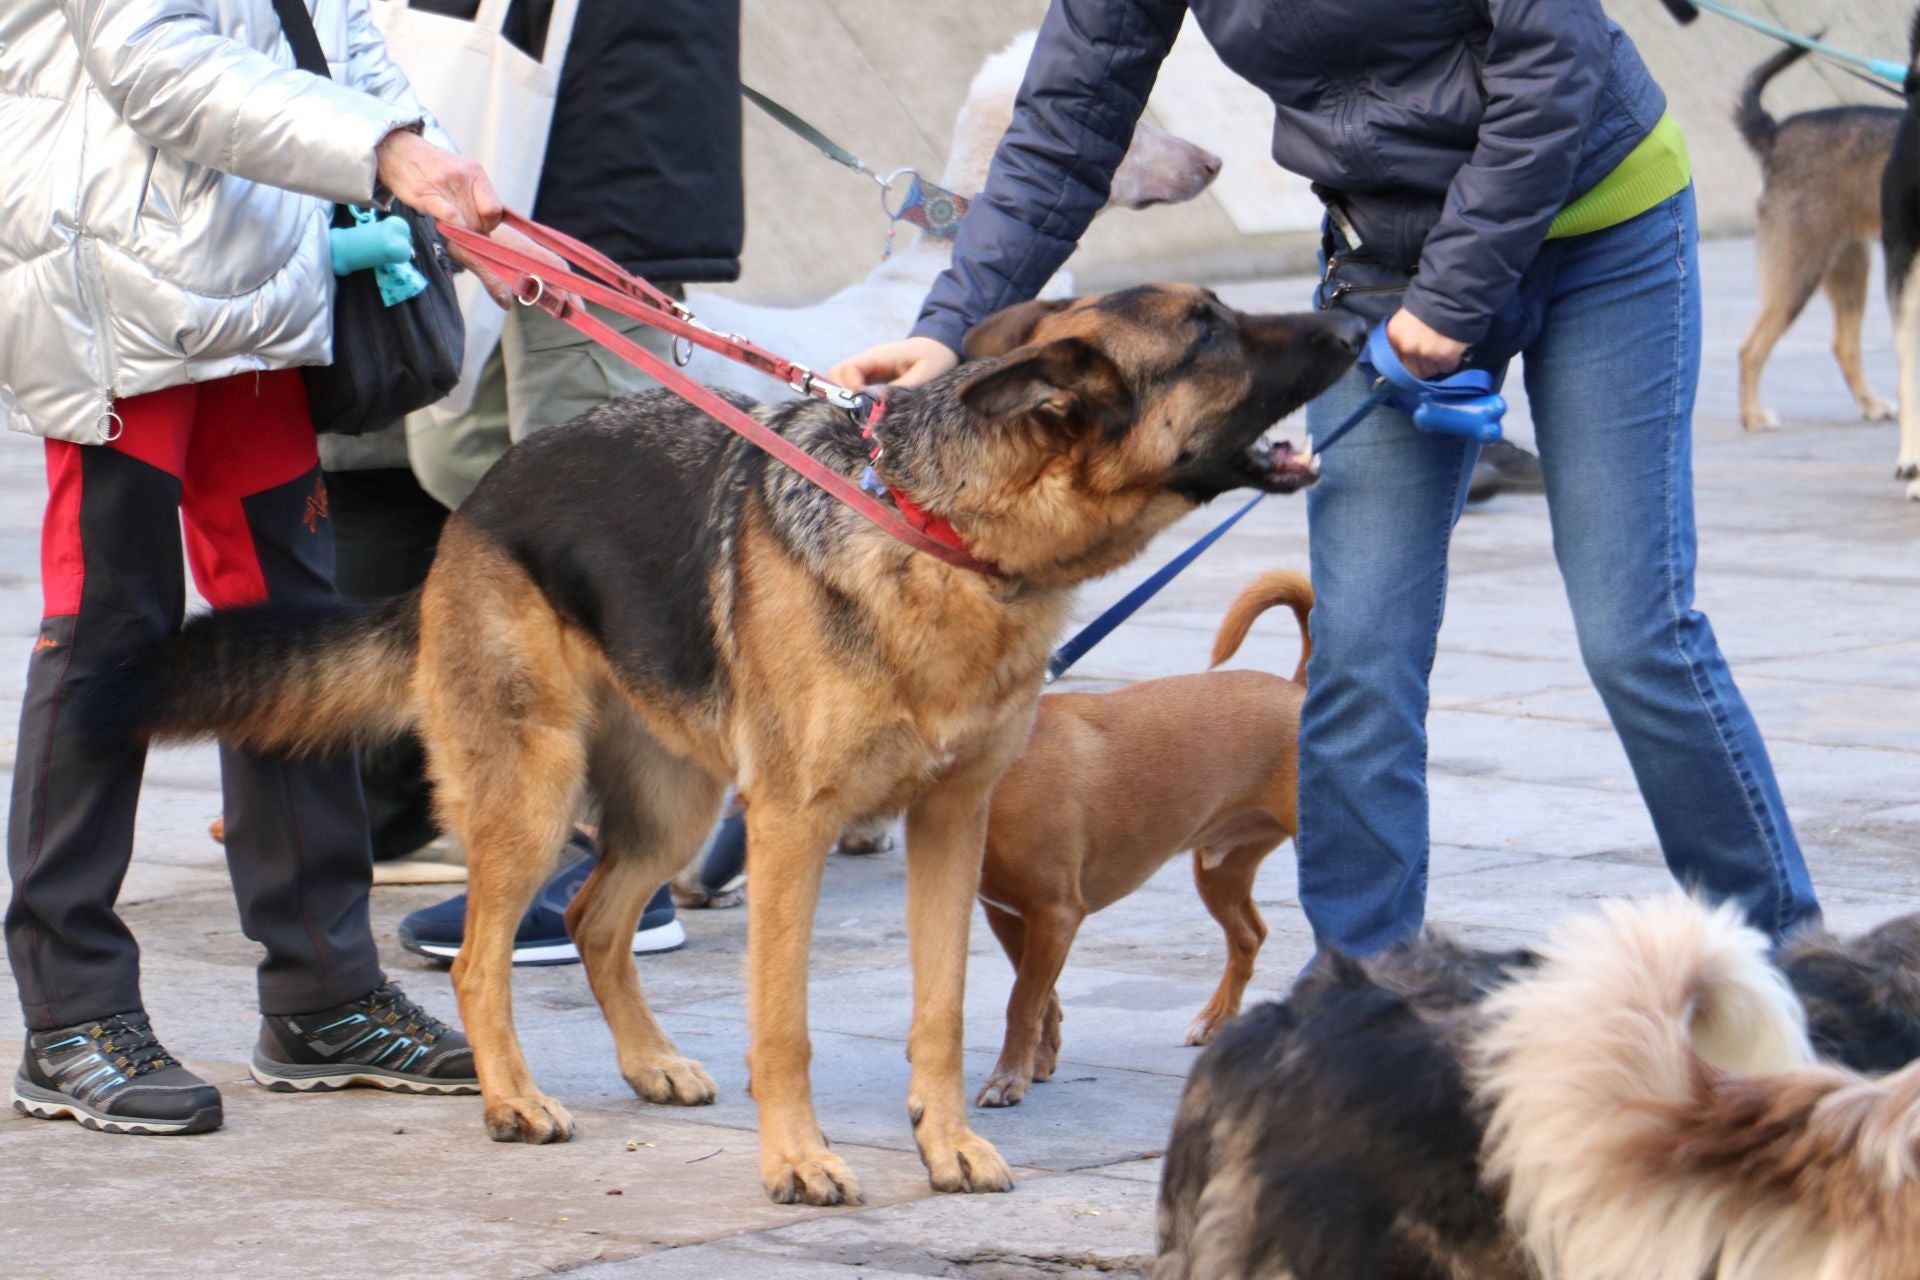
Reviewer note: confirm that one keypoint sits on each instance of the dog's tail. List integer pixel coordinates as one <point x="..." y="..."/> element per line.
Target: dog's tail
<point x="287" y="679"/>
<point x="1755" y="124"/>
<point x="1624" y="1115"/>
<point x="1274" y="587"/>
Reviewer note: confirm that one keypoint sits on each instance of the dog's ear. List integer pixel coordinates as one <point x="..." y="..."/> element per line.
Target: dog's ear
<point x="1004" y="330"/>
<point x="1068" y="385"/>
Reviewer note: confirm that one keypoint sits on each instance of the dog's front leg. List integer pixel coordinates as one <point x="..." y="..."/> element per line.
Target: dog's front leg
<point x="787" y="847"/>
<point x="1906" y="329"/>
<point x="946" y="841"/>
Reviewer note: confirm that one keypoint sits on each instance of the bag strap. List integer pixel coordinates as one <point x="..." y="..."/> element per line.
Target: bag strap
<point x="559" y="34"/>
<point x="297" y="23"/>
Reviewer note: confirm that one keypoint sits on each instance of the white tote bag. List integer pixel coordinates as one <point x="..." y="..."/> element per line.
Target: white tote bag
<point x="496" y="103"/>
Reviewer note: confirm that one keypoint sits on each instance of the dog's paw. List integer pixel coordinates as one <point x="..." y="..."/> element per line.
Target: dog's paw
<point x="1913" y="491"/>
<point x="1757" y="419"/>
<point x="1906" y="469"/>
<point x="967" y="1162"/>
<point x="1204" y="1027"/>
<point x="862" y="842"/>
<point x="1003" y="1089"/>
<point x="1874" y="409"/>
<point x="810" y="1177"/>
<point x="675" y="1080"/>
<point x="534" y="1118"/>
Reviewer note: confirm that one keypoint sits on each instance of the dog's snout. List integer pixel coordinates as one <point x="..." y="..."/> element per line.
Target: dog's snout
<point x="1210" y="164"/>
<point x="1350" y="331"/>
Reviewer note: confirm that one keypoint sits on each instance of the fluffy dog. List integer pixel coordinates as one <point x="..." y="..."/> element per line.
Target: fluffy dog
<point x="1096" y="805"/>
<point x="642" y="605"/>
<point x="1335" y="1136"/>
<point x="1339" y="1134"/>
<point x="1655" y="1111"/>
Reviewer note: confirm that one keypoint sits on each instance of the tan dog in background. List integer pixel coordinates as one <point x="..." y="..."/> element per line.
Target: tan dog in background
<point x="1112" y="785"/>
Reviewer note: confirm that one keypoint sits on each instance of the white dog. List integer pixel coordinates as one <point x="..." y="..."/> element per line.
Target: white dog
<point x="1655" y="1113"/>
<point x="1158" y="169"/>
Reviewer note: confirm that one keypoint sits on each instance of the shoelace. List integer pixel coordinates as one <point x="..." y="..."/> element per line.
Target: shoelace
<point x="389" y="1004"/>
<point x="138" y="1050"/>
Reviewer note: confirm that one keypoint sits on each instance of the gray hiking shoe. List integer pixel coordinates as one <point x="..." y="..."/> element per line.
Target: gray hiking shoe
<point x="383" y="1039"/>
<point x="112" y="1075"/>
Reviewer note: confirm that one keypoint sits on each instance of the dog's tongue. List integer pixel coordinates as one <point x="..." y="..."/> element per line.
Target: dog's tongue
<point x="1290" y="472"/>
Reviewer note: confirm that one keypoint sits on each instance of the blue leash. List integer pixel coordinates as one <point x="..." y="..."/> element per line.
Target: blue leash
<point x="1464" y="404"/>
<point x="1129" y="604"/>
<point x="1884" y="69"/>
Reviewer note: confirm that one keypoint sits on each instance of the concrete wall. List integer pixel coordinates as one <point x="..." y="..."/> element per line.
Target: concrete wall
<point x="885" y="77"/>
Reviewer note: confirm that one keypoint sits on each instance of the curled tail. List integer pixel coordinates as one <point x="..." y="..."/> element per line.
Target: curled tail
<point x="1611" y="1076"/>
<point x="287" y="679"/>
<point x="1274" y="587"/>
<point x="1749" y="116"/>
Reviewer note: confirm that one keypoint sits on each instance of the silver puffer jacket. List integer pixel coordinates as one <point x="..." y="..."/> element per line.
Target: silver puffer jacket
<point x="165" y="179"/>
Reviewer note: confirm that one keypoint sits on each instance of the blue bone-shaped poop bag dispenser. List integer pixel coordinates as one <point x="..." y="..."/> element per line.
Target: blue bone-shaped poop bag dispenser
<point x="383" y="244"/>
<point x="1461" y="404"/>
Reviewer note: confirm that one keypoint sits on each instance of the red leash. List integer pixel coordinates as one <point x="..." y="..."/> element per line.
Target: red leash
<point x="605" y="282"/>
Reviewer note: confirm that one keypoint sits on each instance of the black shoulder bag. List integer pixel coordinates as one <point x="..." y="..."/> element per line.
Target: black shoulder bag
<point x="387" y="361"/>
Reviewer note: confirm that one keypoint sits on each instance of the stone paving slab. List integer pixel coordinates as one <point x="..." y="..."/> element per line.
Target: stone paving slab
<point x="1808" y="570"/>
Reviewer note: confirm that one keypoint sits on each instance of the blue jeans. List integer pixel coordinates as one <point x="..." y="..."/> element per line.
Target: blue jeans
<point x="1609" y="325"/>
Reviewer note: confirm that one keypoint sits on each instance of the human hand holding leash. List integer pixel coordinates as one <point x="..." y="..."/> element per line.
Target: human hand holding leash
<point x="500" y="290"/>
<point x="440" y="184"/>
<point x="1425" y="351"/>
<point x="453" y="189"/>
<point x="906" y="363"/>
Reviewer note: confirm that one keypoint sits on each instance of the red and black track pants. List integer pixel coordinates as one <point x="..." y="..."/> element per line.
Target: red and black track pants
<point x="236" y="458"/>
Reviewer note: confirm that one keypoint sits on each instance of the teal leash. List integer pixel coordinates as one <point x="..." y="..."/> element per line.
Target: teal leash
<point x="1882" y="73"/>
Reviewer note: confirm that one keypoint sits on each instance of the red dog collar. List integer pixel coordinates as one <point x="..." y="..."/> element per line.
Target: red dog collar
<point x="939" y="528"/>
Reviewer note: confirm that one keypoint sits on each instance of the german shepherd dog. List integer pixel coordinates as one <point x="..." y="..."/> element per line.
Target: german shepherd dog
<point x="640" y="604"/>
<point x="1818" y="218"/>
<point x="1338" y="1134"/>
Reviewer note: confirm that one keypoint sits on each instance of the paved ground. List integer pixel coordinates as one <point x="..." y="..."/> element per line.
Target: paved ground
<point x="1809" y="570"/>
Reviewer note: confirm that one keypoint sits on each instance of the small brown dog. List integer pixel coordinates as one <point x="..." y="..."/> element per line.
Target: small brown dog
<point x="1097" y="805"/>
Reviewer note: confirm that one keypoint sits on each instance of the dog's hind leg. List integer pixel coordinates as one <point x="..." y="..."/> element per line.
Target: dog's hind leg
<point x="1011" y="932"/>
<point x="1787" y="280"/>
<point x="1846" y="287"/>
<point x="1225" y="881"/>
<point x="1047" y="937"/>
<point x="788" y="842"/>
<point x="946" y="842"/>
<point x="656" y="810"/>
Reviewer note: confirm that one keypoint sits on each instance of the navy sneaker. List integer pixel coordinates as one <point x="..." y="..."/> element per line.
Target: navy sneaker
<point x="112" y="1075"/>
<point x="436" y="932"/>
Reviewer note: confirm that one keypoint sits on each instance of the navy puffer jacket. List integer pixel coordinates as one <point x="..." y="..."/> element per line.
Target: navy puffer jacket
<point x="1451" y="131"/>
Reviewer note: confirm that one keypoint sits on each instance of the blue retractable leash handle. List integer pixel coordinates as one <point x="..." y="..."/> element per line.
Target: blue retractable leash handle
<point x="1463" y="404"/>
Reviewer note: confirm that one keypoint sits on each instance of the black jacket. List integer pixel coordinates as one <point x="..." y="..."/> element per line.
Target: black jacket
<point x="643" y="162"/>
<point x="1452" y="131"/>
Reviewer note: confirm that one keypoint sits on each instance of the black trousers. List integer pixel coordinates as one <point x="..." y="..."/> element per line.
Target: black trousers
<point x="237" y="459"/>
<point x="386" y="529"/>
